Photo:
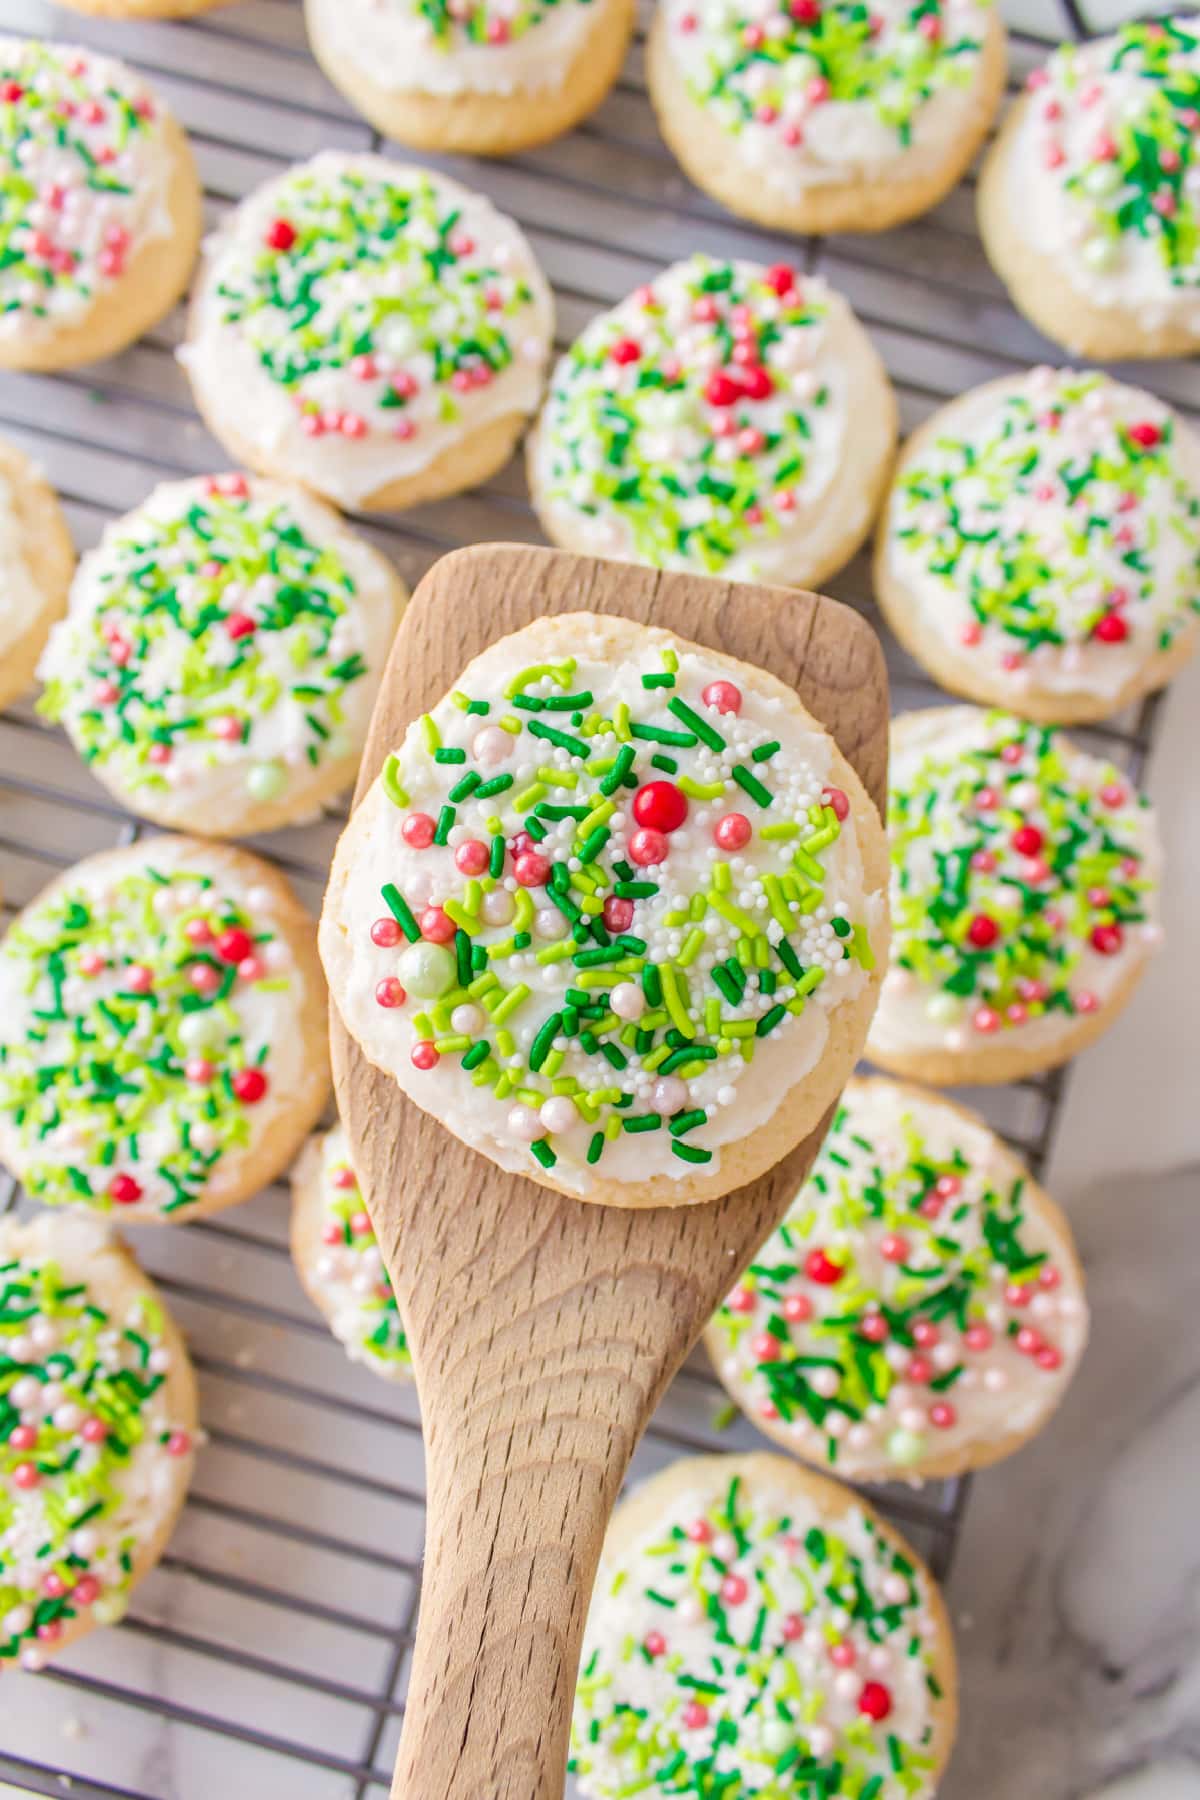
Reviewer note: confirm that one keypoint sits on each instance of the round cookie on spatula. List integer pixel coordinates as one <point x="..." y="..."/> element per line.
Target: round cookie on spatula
<point x="613" y="913"/>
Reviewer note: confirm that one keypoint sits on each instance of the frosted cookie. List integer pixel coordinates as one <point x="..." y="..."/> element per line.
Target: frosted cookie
<point x="143" y="9"/>
<point x="481" y="77"/>
<point x="1040" y="548"/>
<point x="826" y="116"/>
<point x="99" y="206"/>
<point x="1089" y="201"/>
<point x="727" y="418"/>
<point x="222" y="654"/>
<point x="376" y="332"/>
<point x="757" y="1630"/>
<point x="97" y="1425"/>
<point x="1024" y="898"/>
<point x="919" y="1312"/>
<point x="612" y="914"/>
<point x="162" y="1032"/>
<point x="338" y="1260"/>
<point x="37" y="560"/>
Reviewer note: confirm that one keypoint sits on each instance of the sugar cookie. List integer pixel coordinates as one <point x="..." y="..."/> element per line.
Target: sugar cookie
<point x="1024" y="898"/>
<point x="100" y="206"/>
<point x="920" y="1310"/>
<point x="758" y="1630"/>
<point x="468" y="76"/>
<point x="336" y="1257"/>
<point x="1089" y="201"/>
<point x="826" y="116"/>
<point x="222" y="654"/>
<point x="97" y="1426"/>
<point x="37" y="560"/>
<point x="1040" y="548"/>
<point x="162" y="1032"/>
<point x="374" y="331"/>
<point x="727" y="418"/>
<point x="612" y="914"/>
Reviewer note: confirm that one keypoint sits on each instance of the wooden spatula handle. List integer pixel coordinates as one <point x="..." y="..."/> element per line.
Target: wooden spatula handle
<point x="516" y="1517"/>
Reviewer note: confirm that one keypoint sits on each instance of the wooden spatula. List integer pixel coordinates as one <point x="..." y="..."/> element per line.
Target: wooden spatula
<point x="543" y="1329"/>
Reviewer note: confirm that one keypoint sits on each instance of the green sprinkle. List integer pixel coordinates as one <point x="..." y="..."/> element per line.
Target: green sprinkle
<point x="400" y="910"/>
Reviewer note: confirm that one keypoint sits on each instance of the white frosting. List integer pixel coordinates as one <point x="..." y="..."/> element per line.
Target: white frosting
<point x="1052" y="184"/>
<point x="263" y="1013"/>
<point x="912" y="1017"/>
<point x="69" y="224"/>
<point x="809" y="141"/>
<point x="346" y="1276"/>
<point x="885" y="1133"/>
<point x="209" y="773"/>
<point x="21" y="600"/>
<point x="739" y="1096"/>
<point x="1088" y="535"/>
<point x="824" y="1613"/>
<point x="847" y="442"/>
<point x="147" y="1487"/>
<point x="392" y="44"/>
<point x="243" y="402"/>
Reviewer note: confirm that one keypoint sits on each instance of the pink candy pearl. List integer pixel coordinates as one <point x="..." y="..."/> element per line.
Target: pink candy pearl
<point x="793" y="1628"/>
<point x="743" y="1300"/>
<point x="695" y="1715"/>
<point x="893" y="1247"/>
<point x="977" y="1337"/>
<point x="139" y="979"/>
<point x="733" y="832"/>
<point x="471" y="858"/>
<point x="797" y="1308"/>
<point x="843" y="1655"/>
<point x="699" y="1531"/>
<point x="199" y="1069"/>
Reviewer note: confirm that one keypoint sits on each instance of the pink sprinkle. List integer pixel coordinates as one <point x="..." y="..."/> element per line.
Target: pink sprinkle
<point x="743" y="1300"/>
<point x="93" y="1431"/>
<point x="345" y="1177"/>
<point x="139" y="979"/>
<point x="1036" y="78"/>
<point x="23" y="1437"/>
<point x="843" y="1654"/>
<point x="793" y="1628"/>
<point x="977" y="1337"/>
<point x="817" y="90"/>
<point x="352" y="425"/>
<point x="1105" y="147"/>
<point x="792" y="135"/>
<point x="985" y="1019"/>
<point x="178" y="1444"/>
<point x="1165" y="203"/>
<point x="942" y="1415"/>
<point x="695" y="1715"/>
<point x="331" y="1233"/>
<point x="199" y="1070"/>
<point x="26" y="1475"/>
<point x="1049" y="1358"/>
<point x="86" y="1591"/>
<point x="1086" y="1002"/>
<point x="462" y="243"/>
<point x="404" y="384"/>
<point x="734" y="1589"/>
<point x="699" y="1531"/>
<point x="654" y="1643"/>
<point x="1018" y="1294"/>
<point x="198" y="931"/>
<point x="1054" y="156"/>
<point x="204" y="978"/>
<point x="404" y="429"/>
<point x="797" y="1308"/>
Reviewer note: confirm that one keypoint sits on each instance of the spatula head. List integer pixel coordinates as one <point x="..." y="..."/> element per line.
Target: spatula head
<point x="544" y="1329"/>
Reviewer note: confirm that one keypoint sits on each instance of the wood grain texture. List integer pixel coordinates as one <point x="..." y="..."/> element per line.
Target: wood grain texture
<point x="543" y="1329"/>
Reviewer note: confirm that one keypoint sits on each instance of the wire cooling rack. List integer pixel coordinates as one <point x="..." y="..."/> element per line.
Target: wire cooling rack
<point x="269" y="1653"/>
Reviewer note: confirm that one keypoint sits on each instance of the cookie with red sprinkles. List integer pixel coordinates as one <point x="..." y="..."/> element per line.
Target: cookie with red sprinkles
<point x="97" y="1432"/>
<point x="826" y="115"/>
<point x="338" y="1259"/>
<point x="375" y="332"/>
<point x="222" y="653"/>
<point x="478" y="77"/>
<point x="1040" y="547"/>
<point x="726" y="418"/>
<point x="1024" y="894"/>
<point x="163" y="1043"/>
<point x="757" y="1631"/>
<point x="614" y="913"/>
<point x="919" y="1312"/>
<point x="1089" y="200"/>
<point x="100" y="206"/>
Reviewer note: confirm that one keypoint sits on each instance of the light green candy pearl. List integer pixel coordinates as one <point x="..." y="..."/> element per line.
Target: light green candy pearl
<point x="941" y="1008"/>
<point x="200" y="1030"/>
<point x="427" y="970"/>
<point x="906" y="1446"/>
<point x="1105" y="178"/>
<point x="266" y="781"/>
<point x="1099" y="253"/>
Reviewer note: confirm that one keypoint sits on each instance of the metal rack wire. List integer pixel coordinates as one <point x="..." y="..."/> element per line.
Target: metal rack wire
<point x="269" y="1652"/>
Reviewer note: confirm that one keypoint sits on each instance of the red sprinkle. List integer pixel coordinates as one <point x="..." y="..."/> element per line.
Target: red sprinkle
<point x="234" y="945"/>
<point x="1107" y="939"/>
<point x="875" y="1701"/>
<point x="249" y="1085"/>
<point x="660" y="805"/>
<point x="625" y="350"/>
<point x="1145" y="433"/>
<point x="125" y="1190"/>
<point x="821" y="1269"/>
<point x="835" y="799"/>
<point x="281" y="234"/>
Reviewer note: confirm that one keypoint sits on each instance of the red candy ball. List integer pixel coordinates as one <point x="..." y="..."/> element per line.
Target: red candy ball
<point x="660" y="805"/>
<point x="724" y="696"/>
<point x="1145" y="433"/>
<point x="436" y="926"/>
<point x="424" y="1054"/>
<point x="983" y="931"/>
<point x="618" y="913"/>
<point x="234" y="945"/>
<point x="471" y="858"/>
<point x="1111" y="628"/>
<point x="733" y="832"/>
<point x="722" y="389"/>
<point x="417" y="831"/>
<point x="240" y="625"/>
<point x="780" y="277"/>
<point x="875" y="1702"/>
<point x="765" y="1347"/>
<point x="734" y="1590"/>
<point x="249" y="1085"/>
<point x="124" y="1190"/>
<point x="646" y="847"/>
<point x="821" y="1269"/>
<point x="1107" y="939"/>
<point x="532" y="869"/>
<point x="281" y="234"/>
<point x="834" y="798"/>
<point x="1027" y="840"/>
<point x="625" y="350"/>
